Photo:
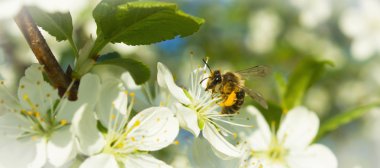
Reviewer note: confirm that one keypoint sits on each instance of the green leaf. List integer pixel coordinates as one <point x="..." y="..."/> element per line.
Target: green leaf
<point x="56" y="24"/>
<point x="139" y="72"/>
<point x="343" y="118"/>
<point x="141" y="23"/>
<point x="304" y="75"/>
<point x="108" y="56"/>
<point x="281" y="84"/>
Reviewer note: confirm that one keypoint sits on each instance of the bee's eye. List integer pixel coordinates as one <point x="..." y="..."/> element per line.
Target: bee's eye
<point x="218" y="79"/>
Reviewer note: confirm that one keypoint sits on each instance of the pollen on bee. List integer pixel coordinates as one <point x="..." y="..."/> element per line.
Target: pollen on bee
<point x="230" y="100"/>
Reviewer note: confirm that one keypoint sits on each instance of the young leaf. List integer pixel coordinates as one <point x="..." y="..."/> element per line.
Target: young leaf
<point x="304" y="75"/>
<point x="140" y="23"/>
<point x="140" y="72"/>
<point x="56" y="24"/>
<point x="343" y="118"/>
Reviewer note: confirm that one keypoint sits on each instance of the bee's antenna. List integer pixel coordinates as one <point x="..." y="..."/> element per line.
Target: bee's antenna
<point x="204" y="61"/>
<point x="203" y="80"/>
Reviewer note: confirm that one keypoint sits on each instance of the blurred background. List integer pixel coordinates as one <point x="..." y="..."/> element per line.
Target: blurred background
<point x="239" y="34"/>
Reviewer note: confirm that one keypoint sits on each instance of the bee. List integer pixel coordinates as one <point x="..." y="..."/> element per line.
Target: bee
<point x="230" y="87"/>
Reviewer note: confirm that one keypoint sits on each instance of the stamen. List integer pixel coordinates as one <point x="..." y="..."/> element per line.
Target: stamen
<point x="63" y="122"/>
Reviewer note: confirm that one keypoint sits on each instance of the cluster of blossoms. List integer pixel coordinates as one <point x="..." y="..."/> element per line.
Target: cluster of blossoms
<point x="104" y="129"/>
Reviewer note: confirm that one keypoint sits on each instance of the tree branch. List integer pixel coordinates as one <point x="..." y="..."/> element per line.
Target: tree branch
<point x="43" y="53"/>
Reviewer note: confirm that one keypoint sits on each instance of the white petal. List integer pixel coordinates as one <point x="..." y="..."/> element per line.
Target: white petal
<point x="222" y="146"/>
<point x="88" y="93"/>
<point x="8" y="102"/>
<point x="203" y="155"/>
<point x="41" y="95"/>
<point x="298" y="128"/>
<point x="40" y="155"/>
<point x="129" y="82"/>
<point x="84" y="126"/>
<point x="143" y="161"/>
<point x="152" y="129"/>
<point x="11" y="124"/>
<point x="16" y="153"/>
<point x="165" y="80"/>
<point x="61" y="147"/>
<point x="112" y="101"/>
<point x="100" y="161"/>
<point x="187" y="119"/>
<point x="261" y="138"/>
<point x="257" y="142"/>
<point x="315" y="156"/>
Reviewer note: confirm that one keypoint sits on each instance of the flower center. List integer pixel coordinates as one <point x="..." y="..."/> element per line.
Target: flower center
<point x="42" y="125"/>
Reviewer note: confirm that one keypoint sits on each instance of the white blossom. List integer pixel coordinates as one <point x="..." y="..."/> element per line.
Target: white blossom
<point x="362" y="23"/>
<point x="197" y="111"/>
<point x="109" y="137"/>
<point x="35" y="125"/>
<point x="290" y="146"/>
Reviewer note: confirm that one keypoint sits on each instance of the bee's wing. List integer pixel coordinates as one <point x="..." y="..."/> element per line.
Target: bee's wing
<point x="256" y="96"/>
<point x="259" y="71"/>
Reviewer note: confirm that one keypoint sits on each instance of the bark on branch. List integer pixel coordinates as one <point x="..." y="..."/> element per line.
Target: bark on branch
<point x="42" y="52"/>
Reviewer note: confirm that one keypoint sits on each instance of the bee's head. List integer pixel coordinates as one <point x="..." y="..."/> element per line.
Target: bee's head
<point x="214" y="79"/>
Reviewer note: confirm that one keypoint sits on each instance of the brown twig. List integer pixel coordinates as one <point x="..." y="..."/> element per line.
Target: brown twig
<point x="42" y="52"/>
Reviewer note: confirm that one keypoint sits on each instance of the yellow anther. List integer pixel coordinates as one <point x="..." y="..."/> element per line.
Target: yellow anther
<point x="234" y="135"/>
<point x="2" y="82"/>
<point x="37" y="114"/>
<point x="158" y="119"/>
<point x="176" y="142"/>
<point x="119" y="145"/>
<point x="63" y="122"/>
<point x="34" y="138"/>
<point x="132" y="94"/>
<point x="126" y="92"/>
<point x="137" y="123"/>
<point x="22" y="86"/>
<point x="30" y="113"/>
<point x="133" y="139"/>
<point x="25" y="97"/>
<point x="113" y="116"/>
<point x="230" y="100"/>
